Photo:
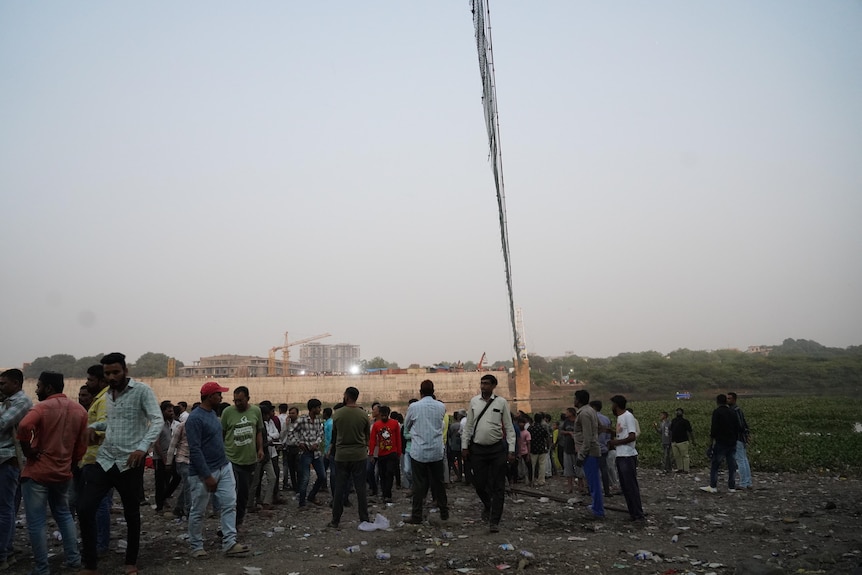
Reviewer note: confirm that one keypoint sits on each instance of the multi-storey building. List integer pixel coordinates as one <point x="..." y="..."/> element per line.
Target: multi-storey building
<point x="327" y="358"/>
<point x="222" y="366"/>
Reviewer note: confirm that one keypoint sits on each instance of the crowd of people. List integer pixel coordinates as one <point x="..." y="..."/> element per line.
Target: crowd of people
<point x="230" y="459"/>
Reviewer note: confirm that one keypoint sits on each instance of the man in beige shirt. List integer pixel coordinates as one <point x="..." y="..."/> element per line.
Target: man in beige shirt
<point x="488" y="443"/>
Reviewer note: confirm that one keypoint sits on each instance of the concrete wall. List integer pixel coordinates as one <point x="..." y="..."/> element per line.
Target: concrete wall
<point x="454" y="389"/>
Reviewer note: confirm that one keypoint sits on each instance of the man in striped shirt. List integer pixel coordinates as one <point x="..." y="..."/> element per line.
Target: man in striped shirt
<point x="424" y="423"/>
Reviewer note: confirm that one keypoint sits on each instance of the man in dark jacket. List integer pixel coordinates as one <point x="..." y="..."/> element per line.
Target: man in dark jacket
<point x="682" y="437"/>
<point x="723" y="432"/>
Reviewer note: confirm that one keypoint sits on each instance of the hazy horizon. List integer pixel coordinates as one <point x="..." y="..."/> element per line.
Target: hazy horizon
<point x="199" y="178"/>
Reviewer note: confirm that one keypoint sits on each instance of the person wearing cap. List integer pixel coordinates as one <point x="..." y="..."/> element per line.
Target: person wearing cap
<point x="53" y="438"/>
<point x="210" y="473"/>
<point x="132" y="425"/>
<point x="682" y="437"/>
<point x="14" y="405"/>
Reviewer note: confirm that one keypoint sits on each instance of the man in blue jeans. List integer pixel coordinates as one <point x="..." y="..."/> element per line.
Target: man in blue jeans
<point x="742" y="440"/>
<point x="132" y="424"/>
<point x="309" y="428"/>
<point x="210" y="473"/>
<point x="13" y="408"/>
<point x="589" y="450"/>
<point x="53" y="437"/>
<point x="724" y="430"/>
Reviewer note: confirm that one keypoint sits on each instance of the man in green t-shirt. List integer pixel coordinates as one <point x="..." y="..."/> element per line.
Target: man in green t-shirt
<point x="242" y="424"/>
<point x="350" y="434"/>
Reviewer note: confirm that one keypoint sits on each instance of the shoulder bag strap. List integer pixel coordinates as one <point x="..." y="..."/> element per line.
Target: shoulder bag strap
<point x="481" y="413"/>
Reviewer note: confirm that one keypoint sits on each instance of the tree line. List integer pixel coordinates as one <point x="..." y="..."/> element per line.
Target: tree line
<point x="795" y="365"/>
<point x="148" y="365"/>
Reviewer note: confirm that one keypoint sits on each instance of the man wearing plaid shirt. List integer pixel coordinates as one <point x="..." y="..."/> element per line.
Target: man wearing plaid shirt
<point x="309" y="430"/>
<point x="13" y="409"/>
<point x="134" y="421"/>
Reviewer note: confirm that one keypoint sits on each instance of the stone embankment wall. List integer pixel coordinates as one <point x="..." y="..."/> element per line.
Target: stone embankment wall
<point x="454" y="389"/>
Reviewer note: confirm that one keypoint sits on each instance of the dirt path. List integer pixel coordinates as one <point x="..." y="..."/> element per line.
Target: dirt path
<point x="792" y="523"/>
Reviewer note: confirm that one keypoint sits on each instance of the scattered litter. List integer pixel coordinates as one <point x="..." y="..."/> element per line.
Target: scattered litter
<point x="352" y="549"/>
<point x="251" y="570"/>
<point x="543" y="500"/>
<point x="576" y="538"/>
<point x="643" y="555"/>
<point x="674" y="539"/>
<point x="383" y="555"/>
<point x="507" y="547"/>
<point x="527" y="554"/>
<point x="503" y="566"/>
<point x="380" y="522"/>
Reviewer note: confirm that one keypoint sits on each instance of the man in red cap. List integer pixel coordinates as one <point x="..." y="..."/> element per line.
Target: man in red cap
<point x="210" y="472"/>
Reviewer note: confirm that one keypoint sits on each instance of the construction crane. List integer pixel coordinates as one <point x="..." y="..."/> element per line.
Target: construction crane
<point x="481" y="362"/>
<point x="285" y="354"/>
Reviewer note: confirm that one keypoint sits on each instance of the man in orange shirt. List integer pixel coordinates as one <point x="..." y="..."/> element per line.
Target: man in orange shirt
<point x="53" y="437"/>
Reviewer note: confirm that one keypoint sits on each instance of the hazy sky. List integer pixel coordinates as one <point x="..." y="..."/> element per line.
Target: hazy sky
<point x="197" y="178"/>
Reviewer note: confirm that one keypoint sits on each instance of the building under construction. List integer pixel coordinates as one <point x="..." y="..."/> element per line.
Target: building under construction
<point x="331" y="359"/>
<point x="223" y="366"/>
<point x="315" y="358"/>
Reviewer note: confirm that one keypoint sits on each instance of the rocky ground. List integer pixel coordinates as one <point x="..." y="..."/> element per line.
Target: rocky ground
<point x="787" y="524"/>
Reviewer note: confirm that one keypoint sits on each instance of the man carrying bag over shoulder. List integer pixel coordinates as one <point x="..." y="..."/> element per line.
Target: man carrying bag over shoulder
<point x="488" y="442"/>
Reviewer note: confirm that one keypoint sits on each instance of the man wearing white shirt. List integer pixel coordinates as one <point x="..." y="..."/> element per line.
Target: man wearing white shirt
<point x="624" y="442"/>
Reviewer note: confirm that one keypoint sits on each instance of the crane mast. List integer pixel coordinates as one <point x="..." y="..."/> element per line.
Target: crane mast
<point x="285" y="354"/>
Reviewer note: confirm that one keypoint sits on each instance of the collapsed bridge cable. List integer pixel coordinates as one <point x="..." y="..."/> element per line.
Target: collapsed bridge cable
<point x="482" y="25"/>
